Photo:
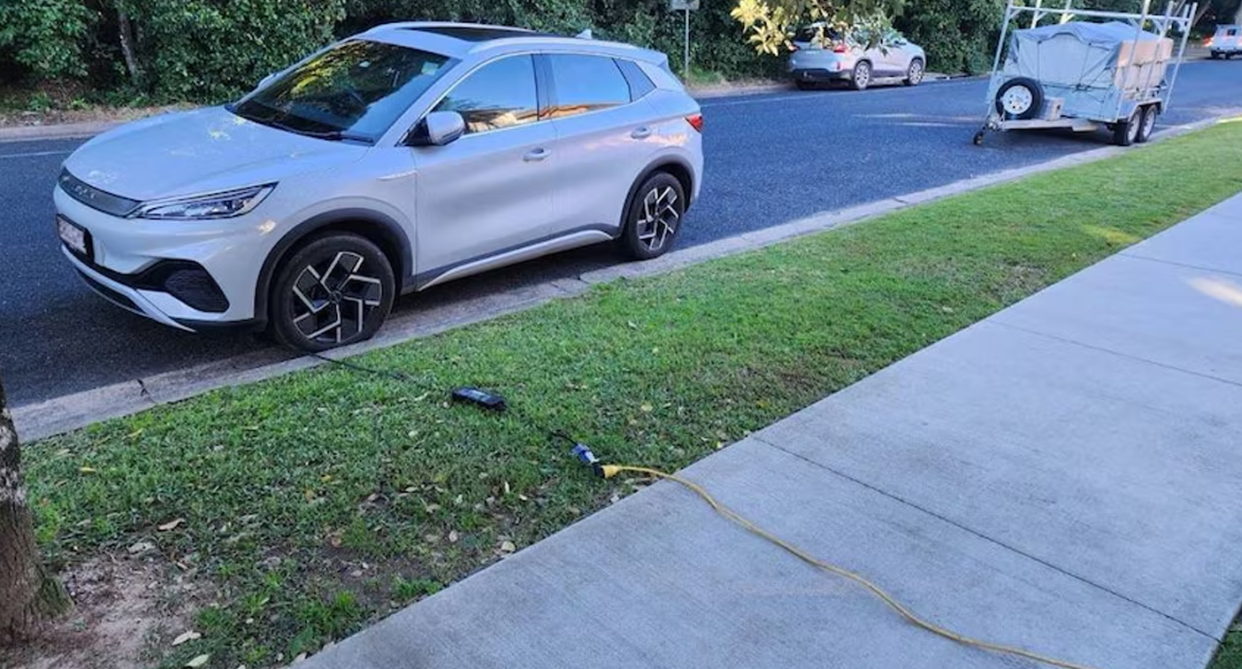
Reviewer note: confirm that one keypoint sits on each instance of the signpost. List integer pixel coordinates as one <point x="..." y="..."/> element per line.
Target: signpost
<point x="686" y="6"/>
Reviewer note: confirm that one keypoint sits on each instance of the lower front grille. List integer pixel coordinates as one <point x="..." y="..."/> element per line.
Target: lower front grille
<point x="194" y="286"/>
<point x="110" y="295"/>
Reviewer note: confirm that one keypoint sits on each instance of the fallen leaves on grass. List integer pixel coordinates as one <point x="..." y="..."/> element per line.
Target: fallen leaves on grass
<point x="171" y="525"/>
<point x="186" y="636"/>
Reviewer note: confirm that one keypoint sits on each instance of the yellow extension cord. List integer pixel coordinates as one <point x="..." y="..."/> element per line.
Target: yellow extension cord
<point x="610" y="471"/>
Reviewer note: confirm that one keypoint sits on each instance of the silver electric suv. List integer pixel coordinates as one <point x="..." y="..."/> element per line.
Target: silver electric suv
<point x="398" y="159"/>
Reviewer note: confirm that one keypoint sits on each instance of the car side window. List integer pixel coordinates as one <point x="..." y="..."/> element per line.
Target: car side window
<point x="585" y="84"/>
<point x="501" y="94"/>
<point x="640" y="83"/>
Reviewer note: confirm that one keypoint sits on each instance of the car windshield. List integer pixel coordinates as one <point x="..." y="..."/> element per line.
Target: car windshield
<point x="355" y="90"/>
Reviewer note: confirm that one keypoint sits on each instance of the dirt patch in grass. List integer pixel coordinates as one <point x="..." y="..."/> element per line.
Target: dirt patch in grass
<point x="126" y="610"/>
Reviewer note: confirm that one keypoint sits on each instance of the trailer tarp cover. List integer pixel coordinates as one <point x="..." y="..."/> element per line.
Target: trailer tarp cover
<point x="1090" y="65"/>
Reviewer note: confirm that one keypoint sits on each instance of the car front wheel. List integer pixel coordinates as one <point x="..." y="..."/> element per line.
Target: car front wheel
<point x="333" y="291"/>
<point x="914" y="73"/>
<point x="653" y="217"/>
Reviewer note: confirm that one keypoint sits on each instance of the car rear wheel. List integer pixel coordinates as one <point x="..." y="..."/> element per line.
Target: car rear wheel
<point x="862" y="76"/>
<point x="653" y="217"/>
<point x="1148" y="124"/>
<point x="335" y="290"/>
<point x="914" y="73"/>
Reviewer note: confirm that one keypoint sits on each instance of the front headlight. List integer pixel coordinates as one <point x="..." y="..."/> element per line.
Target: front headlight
<point x="215" y="205"/>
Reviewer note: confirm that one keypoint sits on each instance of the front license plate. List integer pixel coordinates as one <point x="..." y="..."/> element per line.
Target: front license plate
<point x="73" y="236"/>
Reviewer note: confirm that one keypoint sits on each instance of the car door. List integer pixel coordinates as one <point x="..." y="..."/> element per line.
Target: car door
<point x="897" y="61"/>
<point x="605" y="138"/>
<point x="491" y="190"/>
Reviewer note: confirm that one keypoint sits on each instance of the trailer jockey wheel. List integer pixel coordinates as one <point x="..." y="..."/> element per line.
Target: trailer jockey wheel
<point x="1020" y="98"/>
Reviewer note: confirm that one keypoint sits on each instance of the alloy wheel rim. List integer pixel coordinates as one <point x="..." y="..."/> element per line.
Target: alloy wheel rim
<point x="916" y="72"/>
<point x="658" y="220"/>
<point x="1149" y="122"/>
<point x="333" y="298"/>
<point x="1133" y="128"/>
<point x="863" y="75"/>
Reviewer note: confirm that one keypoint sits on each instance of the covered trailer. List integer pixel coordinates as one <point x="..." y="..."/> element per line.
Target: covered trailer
<point x="1107" y="71"/>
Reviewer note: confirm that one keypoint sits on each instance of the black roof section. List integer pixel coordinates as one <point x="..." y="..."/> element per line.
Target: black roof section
<point x="478" y="33"/>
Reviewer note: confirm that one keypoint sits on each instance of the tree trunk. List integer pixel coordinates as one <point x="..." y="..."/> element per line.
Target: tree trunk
<point x="126" y="31"/>
<point x="28" y="594"/>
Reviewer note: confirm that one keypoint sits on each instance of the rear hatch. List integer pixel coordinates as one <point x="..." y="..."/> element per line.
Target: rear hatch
<point x="1226" y="38"/>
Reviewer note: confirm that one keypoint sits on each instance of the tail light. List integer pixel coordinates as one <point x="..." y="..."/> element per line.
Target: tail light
<point x="839" y="47"/>
<point x="695" y="121"/>
<point x="1207" y="42"/>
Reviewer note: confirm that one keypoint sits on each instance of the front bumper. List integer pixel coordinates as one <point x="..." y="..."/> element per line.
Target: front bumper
<point x="191" y="275"/>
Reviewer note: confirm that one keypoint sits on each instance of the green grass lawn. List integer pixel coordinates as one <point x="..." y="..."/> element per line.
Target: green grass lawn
<point x="317" y="502"/>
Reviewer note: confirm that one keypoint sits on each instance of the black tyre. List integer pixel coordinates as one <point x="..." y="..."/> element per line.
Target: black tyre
<point x="1020" y="98"/>
<point x="914" y="73"/>
<point x="653" y="217"/>
<point x="1126" y="132"/>
<point x="335" y="290"/>
<point x="861" y="78"/>
<point x="1215" y="55"/>
<point x="1147" y="123"/>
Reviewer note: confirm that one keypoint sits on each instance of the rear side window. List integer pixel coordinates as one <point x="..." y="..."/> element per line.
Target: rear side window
<point x="501" y="94"/>
<point x="1232" y="31"/>
<point x="811" y="33"/>
<point x="585" y="84"/>
<point x="640" y="83"/>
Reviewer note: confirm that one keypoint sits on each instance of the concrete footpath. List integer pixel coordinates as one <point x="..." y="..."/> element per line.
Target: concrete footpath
<point x="1064" y="476"/>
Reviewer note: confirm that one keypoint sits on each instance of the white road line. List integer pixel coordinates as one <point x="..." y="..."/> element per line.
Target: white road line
<point x="36" y="154"/>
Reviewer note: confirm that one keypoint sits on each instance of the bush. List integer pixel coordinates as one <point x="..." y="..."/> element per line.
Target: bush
<point x="44" y="37"/>
<point x="958" y="35"/>
<point x="209" y="50"/>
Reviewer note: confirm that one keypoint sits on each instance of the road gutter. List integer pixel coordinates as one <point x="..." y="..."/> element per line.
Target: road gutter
<point x="71" y="412"/>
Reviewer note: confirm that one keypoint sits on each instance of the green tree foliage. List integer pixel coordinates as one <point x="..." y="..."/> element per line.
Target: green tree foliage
<point x="209" y="50"/>
<point x="770" y="23"/>
<point x="958" y="35"/>
<point x="45" y="36"/>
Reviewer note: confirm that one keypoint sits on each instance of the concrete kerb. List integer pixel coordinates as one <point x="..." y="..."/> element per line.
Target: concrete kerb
<point x="71" y="412"/>
<point x="30" y="133"/>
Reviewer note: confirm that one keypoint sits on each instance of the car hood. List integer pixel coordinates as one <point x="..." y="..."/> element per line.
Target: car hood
<point x="201" y="151"/>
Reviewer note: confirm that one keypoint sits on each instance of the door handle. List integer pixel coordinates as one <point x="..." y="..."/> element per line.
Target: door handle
<point x="641" y="133"/>
<point x="536" y="155"/>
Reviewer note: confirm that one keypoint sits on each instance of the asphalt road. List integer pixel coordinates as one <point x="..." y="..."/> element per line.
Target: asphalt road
<point x="770" y="159"/>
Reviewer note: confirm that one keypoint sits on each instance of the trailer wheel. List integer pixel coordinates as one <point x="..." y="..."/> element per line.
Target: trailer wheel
<point x="1148" y="124"/>
<point x="1126" y="132"/>
<point x="1020" y="98"/>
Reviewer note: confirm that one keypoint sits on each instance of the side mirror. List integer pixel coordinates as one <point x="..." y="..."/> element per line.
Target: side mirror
<point x="437" y="129"/>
